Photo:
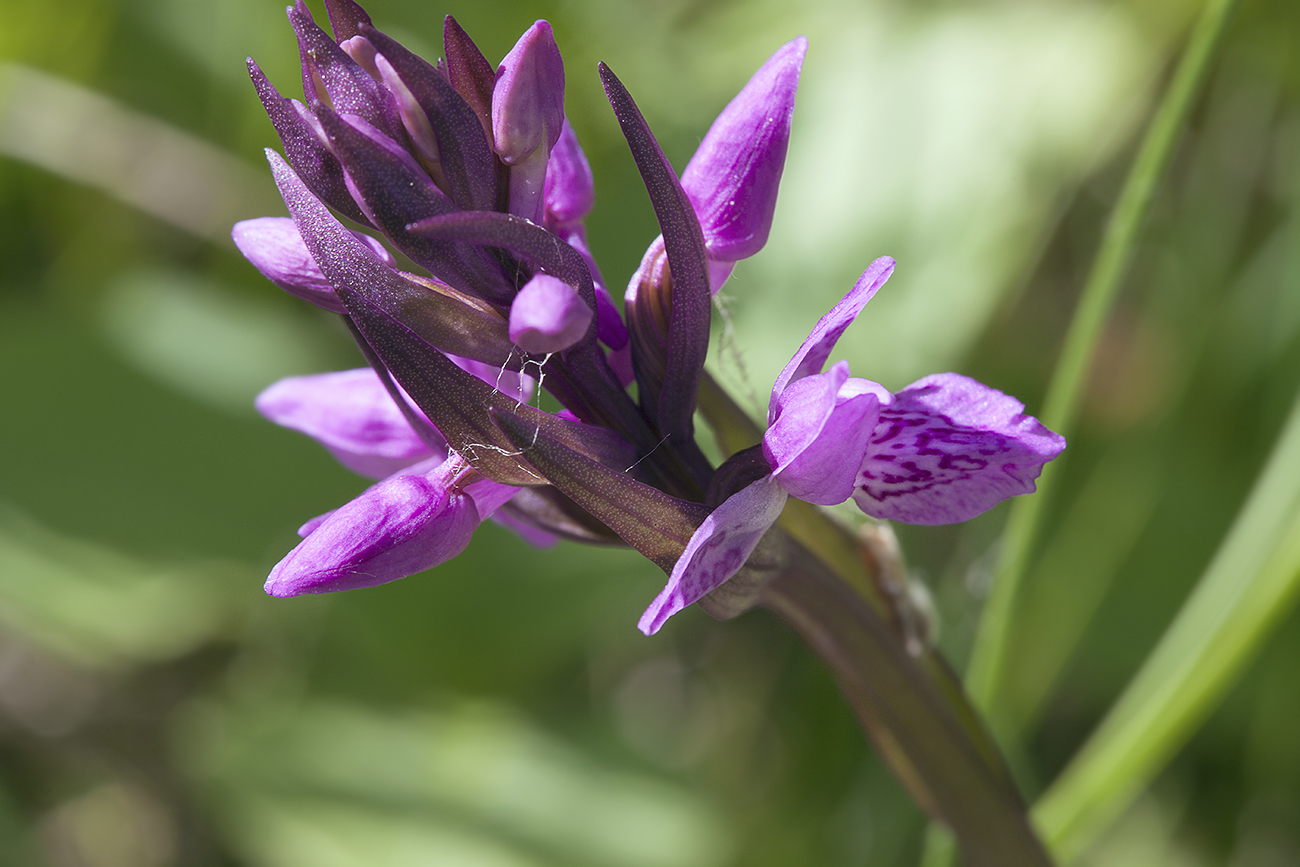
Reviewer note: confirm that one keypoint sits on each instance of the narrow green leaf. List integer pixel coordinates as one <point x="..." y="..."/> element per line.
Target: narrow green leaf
<point x="989" y="659"/>
<point x="1246" y="590"/>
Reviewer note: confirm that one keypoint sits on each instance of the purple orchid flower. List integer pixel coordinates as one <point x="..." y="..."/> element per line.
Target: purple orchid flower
<point x="411" y="521"/>
<point x="475" y="175"/>
<point x="472" y="172"/>
<point x="942" y="450"/>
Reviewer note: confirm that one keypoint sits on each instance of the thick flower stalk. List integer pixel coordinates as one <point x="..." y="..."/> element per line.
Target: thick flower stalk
<point x="473" y="174"/>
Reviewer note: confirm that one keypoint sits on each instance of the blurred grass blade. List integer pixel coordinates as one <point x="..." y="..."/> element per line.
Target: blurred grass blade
<point x="137" y="159"/>
<point x="989" y="658"/>
<point x="1245" y="591"/>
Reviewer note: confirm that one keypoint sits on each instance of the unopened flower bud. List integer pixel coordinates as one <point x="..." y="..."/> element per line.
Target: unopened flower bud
<point x="527" y="115"/>
<point x="733" y="177"/>
<point x="548" y="315"/>
<point x="405" y="524"/>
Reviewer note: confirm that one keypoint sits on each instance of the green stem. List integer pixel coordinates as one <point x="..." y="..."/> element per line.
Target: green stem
<point x="908" y="713"/>
<point x="1064" y="394"/>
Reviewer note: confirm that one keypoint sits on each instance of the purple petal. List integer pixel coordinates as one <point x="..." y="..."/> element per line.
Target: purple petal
<point x="463" y="151"/>
<point x="548" y="315"/>
<point x="733" y="178"/>
<point x="528" y="99"/>
<point x="817" y="348"/>
<point x="405" y="524"/>
<point x="469" y="72"/>
<point x="718" y="549"/>
<point x="534" y="536"/>
<point x="821" y="474"/>
<point x="346" y="18"/>
<point x="672" y="399"/>
<point x="276" y="249"/>
<point x="819" y="439"/>
<point x="304" y="149"/>
<point x="570" y="191"/>
<point x="350" y="88"/>
<point x="948" y="448"/>
<point x="351" y="414"/>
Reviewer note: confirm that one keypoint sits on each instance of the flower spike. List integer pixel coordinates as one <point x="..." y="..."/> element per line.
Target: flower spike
<point x="733" y="177"/>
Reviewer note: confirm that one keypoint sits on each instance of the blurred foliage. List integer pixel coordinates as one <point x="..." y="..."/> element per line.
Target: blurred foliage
<point x="156" y="709"/>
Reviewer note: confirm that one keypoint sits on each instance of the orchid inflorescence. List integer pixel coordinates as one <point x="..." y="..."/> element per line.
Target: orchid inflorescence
<point x="474" y="175"/>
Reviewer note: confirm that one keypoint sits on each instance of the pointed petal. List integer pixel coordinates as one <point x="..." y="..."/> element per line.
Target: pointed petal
<point x="351" y="414"/>
<point x="464" y="152"/>
<point x="812" y="355"/>
<point x="688" y="323"/>
<point x="351" y="89"/>
<point x="469" y="72"/>
<point x="654" y="523"/>
<point x="570" y="191"/>
<point x="949" y="448"/>
<point x="395" y="193"/>
<point x="303" y="149"/>
<point x="717" y="549"/>
<point x="402" y="525"/>
<point x="274" y="247"/>
<point x="733" y="177"/>
<point x="547" y="316"/>
<point x="346" y="18"/>
<point x="448" y="320"/>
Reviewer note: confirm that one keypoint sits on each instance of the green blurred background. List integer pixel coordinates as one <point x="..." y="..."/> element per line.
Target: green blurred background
<point x="156" y="709"/>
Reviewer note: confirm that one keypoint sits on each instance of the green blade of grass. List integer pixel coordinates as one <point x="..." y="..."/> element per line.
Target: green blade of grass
<point x="1064" y="394"/>
<point x="1249" y="585"/>
<point x="1119" y="243"/>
